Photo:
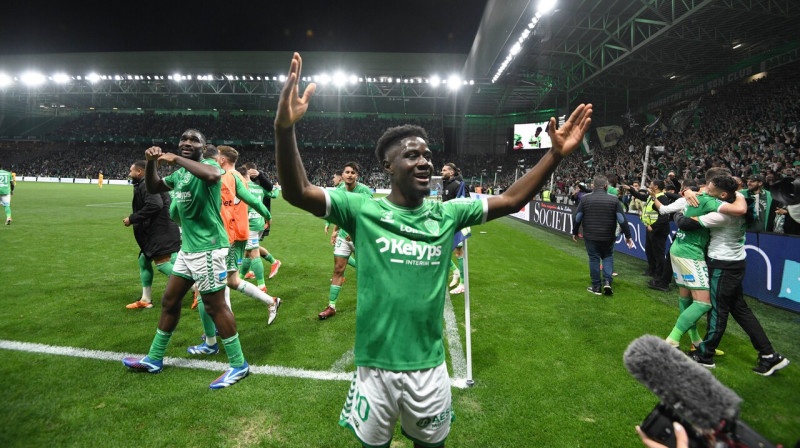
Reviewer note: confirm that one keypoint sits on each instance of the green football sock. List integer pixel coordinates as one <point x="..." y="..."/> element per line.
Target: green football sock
<point x="257" y="267"/>
<point x="334" y="294"/>
<point x="145" y="271"/>
<point x="683" y="303"/>
<point x="233" y="348"/>
<point x="8" y="211"/>
<point x="245" y="268"/>
<point x="453" y="266"/>
<point x="159" y="345"/>
<point x="351" y="261"/>
<point x="689" y="317"/>
<point x="461" y="265"/>
<point x="269" y="258"/>
<point x="165" y="268"/>
<point x="209" y="329"/>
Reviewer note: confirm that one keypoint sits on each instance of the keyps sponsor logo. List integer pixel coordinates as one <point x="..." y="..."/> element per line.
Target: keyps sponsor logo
<point x="420" y="251"/>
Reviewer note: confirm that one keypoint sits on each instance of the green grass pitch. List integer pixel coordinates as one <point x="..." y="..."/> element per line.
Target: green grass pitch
<point x="547" y="355"/>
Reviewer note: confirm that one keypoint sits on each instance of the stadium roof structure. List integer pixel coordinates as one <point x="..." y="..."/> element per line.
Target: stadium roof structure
<point x="617" y="54"/>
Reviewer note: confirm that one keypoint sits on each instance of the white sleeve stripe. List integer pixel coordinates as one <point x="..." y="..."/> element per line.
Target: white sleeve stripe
<point x="327" y="203"/>
<point x="485" y="203"/>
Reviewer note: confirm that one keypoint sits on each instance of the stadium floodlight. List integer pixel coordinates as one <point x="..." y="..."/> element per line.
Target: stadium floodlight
<point x="282" y="78"/>
<point x="353" y="79"/>
<point x="737" y="46"/>
<point x="515" y="49"/>
<point x="435" y="81"/>
<point x="176" y="77"/>
<point x="61" y="78"/>
<point x="546" y="6"/>
<point x="324" y="79"/>
<point x="339" y="79"/>
<point x="673" y="77"/>
<point x="5" y="80"/>
<point x="33" y="79"/>
<point x="454" y="82"/>
<point x="93" y="77"/>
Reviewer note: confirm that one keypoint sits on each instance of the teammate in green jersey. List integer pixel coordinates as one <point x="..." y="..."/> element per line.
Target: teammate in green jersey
<point x="687" y="255"/>
<point x="252" y="259"/>
<point x="6" y="190"/>
<point x="270" y="193"/>
<point x="403" y="245"/>
<point x="343" y="246"/>
<point x="204" y="248"/>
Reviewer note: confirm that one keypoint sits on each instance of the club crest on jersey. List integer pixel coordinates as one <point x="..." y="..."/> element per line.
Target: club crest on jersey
<point x="432" y="226"/>
<point x="388" y="216"/>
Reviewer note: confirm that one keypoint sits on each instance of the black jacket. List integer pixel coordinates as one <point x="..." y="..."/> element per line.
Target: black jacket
<point x="450" y="188"/>
<point x="153" y="229"/>
<point x="597" y="213"/>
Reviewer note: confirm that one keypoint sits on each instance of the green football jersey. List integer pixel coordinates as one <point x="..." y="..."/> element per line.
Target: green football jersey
<point x="403" y="262"/>
<point x="197" y="208"/>
<point x="257" y="221"/>
<point x="692" y="244"/>
<point x="5" y="182"/>
<point x="358" y="189"/>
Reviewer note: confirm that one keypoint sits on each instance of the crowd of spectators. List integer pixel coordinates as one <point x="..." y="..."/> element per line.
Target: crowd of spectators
<point x="318" y="130"/>
<point x="750" y="128"/>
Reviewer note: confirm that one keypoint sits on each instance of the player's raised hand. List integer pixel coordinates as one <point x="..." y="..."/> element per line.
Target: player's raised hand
<point x="152" y="153"/>
<point x="292" y="106"/>
<point x="570" y="135"/>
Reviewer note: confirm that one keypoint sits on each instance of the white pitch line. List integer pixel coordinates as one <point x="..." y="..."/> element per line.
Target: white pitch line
<point x="457" y="357"/>
<point x="174" y="362"/>
<point x="343" y="362"/>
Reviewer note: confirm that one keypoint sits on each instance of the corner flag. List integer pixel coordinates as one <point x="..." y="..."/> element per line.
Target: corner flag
<point x="466" y="232"/>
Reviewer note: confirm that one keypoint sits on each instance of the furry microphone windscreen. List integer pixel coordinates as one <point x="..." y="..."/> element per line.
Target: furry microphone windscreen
<point x="690" y="389"/>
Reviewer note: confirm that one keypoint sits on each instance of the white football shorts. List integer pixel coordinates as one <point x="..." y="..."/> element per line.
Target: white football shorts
<point x="378" y="398"/>
<point x="207" y="269"/>
<point x="343" y="248"/>
<point x="691" y="274"/>
<point x="253" y="239"/>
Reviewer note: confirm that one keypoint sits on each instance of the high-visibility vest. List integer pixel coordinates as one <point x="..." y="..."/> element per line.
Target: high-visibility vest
<point x="650" y="214"/>
<point x="546" y="195"/>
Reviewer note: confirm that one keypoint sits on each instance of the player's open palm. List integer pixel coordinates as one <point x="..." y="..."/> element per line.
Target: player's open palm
<point x="292" y="106"/>
<point x="570" y="135"/>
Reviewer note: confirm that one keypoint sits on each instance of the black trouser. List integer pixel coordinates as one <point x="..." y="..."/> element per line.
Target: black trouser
<point x="664" y="278"/>
<point x="725" y="282"/>
<point x="655" y="244"/>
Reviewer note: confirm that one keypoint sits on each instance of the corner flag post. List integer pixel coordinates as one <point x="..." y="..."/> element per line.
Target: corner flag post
<point x="470" y="383"/>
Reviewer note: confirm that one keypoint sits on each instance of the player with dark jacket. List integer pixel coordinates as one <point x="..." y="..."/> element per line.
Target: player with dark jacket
<point x="156" y="234"/>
